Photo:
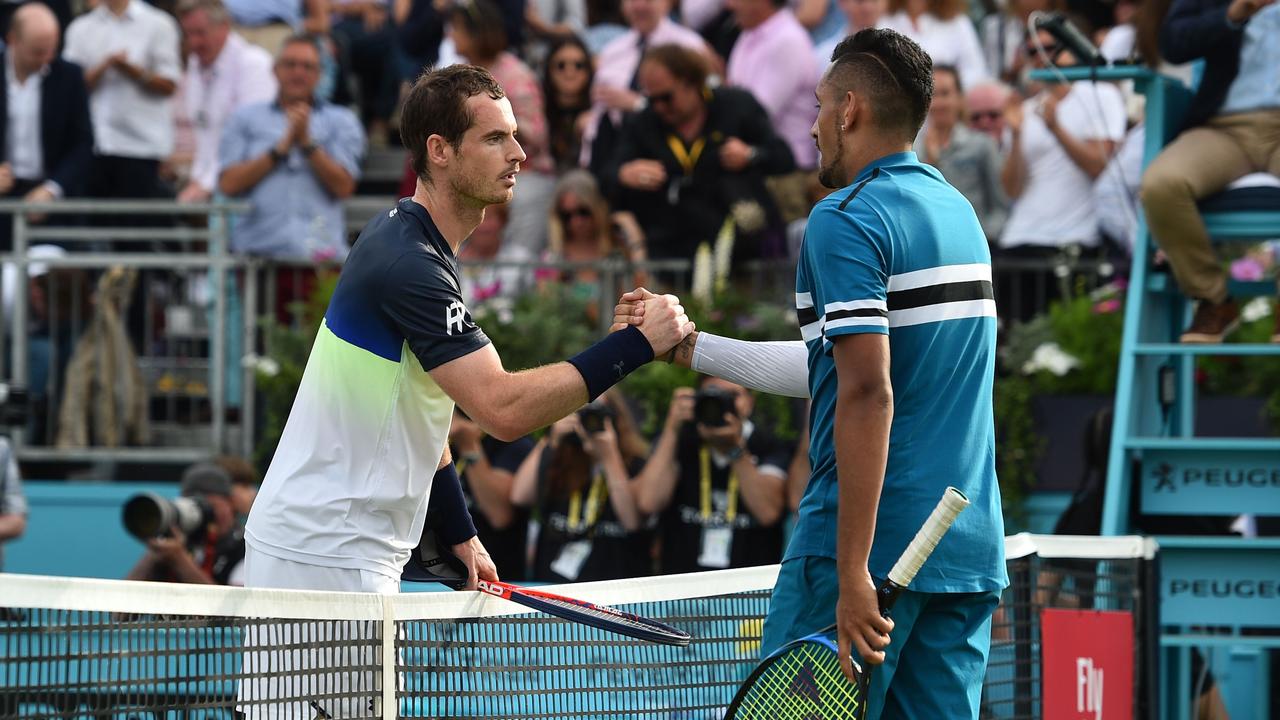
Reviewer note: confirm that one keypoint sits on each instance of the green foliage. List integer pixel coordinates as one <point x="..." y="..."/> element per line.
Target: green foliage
<point x="1249" y="375"/>
<point x="280" y="373"/>
<point x="1088" y="328"/>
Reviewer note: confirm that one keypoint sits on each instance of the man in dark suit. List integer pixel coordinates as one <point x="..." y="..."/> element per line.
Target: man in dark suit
<point x="1232" y="129"/>
<point x="44" y="114"/>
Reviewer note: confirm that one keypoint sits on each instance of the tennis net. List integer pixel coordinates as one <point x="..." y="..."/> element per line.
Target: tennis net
<point x="79" y="648"/>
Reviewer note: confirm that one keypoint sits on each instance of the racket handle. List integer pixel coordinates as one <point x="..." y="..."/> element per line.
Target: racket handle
<point x="886" y="595"/>
<point x="922" y="545"/>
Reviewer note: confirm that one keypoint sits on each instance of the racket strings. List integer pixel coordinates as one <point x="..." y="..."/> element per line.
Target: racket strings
<point x="805" y="683"/>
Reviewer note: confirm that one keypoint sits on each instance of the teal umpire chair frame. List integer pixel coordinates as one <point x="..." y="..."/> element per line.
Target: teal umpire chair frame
<point x="1215" y="591"/>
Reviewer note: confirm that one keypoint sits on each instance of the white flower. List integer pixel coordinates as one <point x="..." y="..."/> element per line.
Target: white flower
<point x="268" y="367"/>
<point x="1049" y="356"/>
<point x="1259" y="308"/>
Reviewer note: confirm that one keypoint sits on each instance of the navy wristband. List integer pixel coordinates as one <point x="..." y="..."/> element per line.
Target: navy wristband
<point x="447" y="512"/>
<point x="604" y="364"/>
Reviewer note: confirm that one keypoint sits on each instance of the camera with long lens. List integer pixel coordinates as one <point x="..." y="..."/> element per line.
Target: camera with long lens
<point x="15" y="405"/>
<point x="148" y="516"/>
<point x="710" y="405"/>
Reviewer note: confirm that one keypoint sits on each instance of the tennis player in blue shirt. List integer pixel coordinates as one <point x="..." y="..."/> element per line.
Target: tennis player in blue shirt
<point x="894" y="300"/>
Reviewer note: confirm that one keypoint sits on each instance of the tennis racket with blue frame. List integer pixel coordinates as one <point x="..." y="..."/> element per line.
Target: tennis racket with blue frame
<point x="803" y="680"/>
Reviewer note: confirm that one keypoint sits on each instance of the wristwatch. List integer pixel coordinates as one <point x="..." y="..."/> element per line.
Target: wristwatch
<point x="472" y="456"/>
<point x="308" y="149"/>
<point x="277" y="156"/>
<point x="735" y="452"/>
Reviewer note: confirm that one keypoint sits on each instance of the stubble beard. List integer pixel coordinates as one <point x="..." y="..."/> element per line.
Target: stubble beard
<point x="828" y="172"/>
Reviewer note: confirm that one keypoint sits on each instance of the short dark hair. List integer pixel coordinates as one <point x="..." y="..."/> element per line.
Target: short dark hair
<point x="687" y="66"/>
<point x="892" y="71"/>
<point x="302" y="38"/>
<point x="483" y="21"/>
<point x="953" y="72"/>
<point x="437" y="105"/>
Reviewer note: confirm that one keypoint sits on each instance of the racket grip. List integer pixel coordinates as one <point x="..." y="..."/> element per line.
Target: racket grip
<point x="922" y="545"/>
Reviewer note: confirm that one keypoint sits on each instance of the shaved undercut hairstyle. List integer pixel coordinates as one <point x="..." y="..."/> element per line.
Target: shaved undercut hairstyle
<point x="889" y="70"/>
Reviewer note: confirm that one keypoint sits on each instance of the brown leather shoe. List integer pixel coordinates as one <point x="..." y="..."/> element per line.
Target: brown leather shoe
<point x="1212" y="322"/>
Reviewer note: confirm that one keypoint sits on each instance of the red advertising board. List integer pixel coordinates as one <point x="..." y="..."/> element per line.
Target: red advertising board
<point x="1086" y="665"/>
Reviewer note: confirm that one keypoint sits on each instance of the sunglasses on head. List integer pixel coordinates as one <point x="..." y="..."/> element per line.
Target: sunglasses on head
<point x="562" y="65"/>
<point x="567" y="214"/>
<point x="984" y="115"/>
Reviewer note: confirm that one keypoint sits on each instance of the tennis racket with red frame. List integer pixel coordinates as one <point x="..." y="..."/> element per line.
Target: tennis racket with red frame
<point x="601" y="617"/>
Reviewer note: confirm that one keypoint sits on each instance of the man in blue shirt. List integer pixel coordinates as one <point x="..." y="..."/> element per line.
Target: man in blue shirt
<point x="894" y="266"/>
<point x="295" y="158"/>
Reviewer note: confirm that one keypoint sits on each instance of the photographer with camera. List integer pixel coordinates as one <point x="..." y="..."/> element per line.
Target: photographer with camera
<point x="578" y="479"/>
<point x="487" y="467"/>
<point x="719" y="481"/>
<point x="193" y="539"/>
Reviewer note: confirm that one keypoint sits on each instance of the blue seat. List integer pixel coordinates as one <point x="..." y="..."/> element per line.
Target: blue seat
<point x="1246" y="199"/>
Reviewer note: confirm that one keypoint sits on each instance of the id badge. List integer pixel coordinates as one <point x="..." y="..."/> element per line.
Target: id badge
<point x="568" y="564"/>
<point x="717" y="544"/>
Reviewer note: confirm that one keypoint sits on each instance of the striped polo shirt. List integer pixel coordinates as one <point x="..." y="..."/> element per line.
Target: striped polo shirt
<point x="900" y="252"/>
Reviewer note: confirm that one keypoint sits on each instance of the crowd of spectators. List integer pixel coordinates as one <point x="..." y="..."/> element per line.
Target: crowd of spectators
<point x="651" y="128"/>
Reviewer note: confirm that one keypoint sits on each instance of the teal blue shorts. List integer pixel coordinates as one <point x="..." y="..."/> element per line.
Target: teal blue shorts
<point x="937" y="654"/>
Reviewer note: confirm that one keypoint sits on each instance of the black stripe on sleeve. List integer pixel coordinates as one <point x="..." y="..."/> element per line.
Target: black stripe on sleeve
<point x="860" y="312"/>
<point x="939" y="294"/>
<point x="807" y="316"/>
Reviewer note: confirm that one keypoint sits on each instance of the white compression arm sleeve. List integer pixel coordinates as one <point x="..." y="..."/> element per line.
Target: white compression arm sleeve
<point x="778" y="368"/>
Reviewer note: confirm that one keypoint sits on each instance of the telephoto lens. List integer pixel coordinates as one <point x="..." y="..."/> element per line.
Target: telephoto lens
<point x="148" y="515"/>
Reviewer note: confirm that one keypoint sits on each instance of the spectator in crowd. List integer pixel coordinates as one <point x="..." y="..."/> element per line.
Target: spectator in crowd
<point x="487" y="467"/>
<point x="245" y="480"/>
<point x="579" y="480"/>
<point x="213" y="555"/>
<point x="478" y="34"/>
<point x="295" y="159"/>
<point x="566" y="88"/>
<point x="1231" y="129"/>
<point x="583" y="230"/>
<point x="1062" y="138"/>
<point x="858" y="15"/>
<point x="717" y="480"/>
<point x="482" y="281"/>
<point x="785" y="89"/>
<point x="130" y="54"/>
<point x="943" y="29"/>
<point x="551" y="21"/>
<point x="1004" y="38"/>
<point x="604" y="24"/>
<point x="615" y="89"/>
<point x="985" y="105"/>
<point x="823" y="19"/>
<point x="364" y="35"/>
<point x="419" y="33"/>
<point x="45" y="124"/>
<point x="224" y="74"/>
<point x="693" y="156"/>
<point x="968" y="159"/>
<point x="268" y="23"/>
<point x="13" y="504"/>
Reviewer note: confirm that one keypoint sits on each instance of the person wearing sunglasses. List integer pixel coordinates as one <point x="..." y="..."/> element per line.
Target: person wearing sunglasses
<point x="582" y="229"/>
<point x="693" y="155"/>
<point x="1062" y="138"/>
<point x="566" y="89"/>
<point x="984" y="107"/>
<point x="967" y="159"/>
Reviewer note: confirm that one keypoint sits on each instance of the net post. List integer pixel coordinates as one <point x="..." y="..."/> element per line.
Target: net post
<point x="390" y="708"/>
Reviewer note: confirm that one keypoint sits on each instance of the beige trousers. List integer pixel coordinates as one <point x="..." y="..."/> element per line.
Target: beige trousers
<point x="1200" y="162"/>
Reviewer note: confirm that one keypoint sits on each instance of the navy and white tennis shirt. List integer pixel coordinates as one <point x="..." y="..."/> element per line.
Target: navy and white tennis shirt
<point x="349" y="482"/>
